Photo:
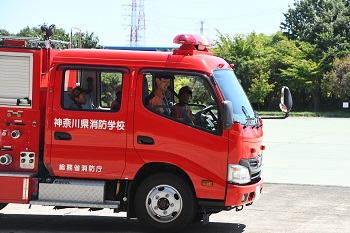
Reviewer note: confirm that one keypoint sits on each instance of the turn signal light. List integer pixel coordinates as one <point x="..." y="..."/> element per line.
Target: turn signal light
<point x="207" y="183"/>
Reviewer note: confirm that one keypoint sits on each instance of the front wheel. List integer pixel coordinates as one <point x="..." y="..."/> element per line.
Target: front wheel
<point x="3" y="205"/>
<point x="165" y="202"/>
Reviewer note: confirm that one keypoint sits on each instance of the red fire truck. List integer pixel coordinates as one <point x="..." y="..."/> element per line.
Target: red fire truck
<point x="165" y="171"/>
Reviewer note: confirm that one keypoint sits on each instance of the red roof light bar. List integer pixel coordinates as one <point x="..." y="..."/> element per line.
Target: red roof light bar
<point x="193" y="39"/>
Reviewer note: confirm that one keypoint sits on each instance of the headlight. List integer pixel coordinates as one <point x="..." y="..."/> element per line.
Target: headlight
<point x="238" y="174"/>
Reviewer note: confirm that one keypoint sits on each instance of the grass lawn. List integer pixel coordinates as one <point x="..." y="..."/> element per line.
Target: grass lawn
<point x="342" y="114"/>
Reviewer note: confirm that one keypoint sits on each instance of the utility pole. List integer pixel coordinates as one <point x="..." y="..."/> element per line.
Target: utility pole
<point x="201" y="29"/>
<point x="71" y="37"/>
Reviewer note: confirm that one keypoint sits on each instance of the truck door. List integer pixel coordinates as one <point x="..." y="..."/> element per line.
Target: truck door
<point x="198" y="145"/>
<point x="87" y="134"/>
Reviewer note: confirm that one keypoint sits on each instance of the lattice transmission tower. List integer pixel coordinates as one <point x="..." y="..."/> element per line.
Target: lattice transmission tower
<point x="138" y="24"/>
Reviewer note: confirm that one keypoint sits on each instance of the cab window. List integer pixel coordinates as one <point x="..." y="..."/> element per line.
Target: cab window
<point x="186" y="98"/>
<point x="92" y="89"/>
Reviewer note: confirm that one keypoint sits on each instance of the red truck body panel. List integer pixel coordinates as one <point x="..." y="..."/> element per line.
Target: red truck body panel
<point x="20" y="188"/>
<point x="103" y="145"/>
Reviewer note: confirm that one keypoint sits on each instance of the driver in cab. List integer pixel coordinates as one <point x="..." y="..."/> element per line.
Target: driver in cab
<point x="157" y="97"/>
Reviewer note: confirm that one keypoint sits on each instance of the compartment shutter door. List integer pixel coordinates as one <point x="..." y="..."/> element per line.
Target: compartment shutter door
<point x="16" y="75"/>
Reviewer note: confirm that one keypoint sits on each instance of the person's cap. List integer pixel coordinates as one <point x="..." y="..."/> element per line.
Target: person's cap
<point x="118" y="89"/>
<point x="77" y="91"/>
<point x="186" y="89"/>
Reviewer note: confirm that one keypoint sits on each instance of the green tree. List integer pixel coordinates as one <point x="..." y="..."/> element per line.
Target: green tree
<point x="180" y="82"/>
<point x="3" y="32"/>
<point x="272" y="62"/>
<point x="325" y="23"/>
<point x="88" y="40"/>
<point x="257" y="64"/>
<point x="259" y="89"/>
<point x="60" y="39"/>
<point x="294" y="65"/>
<point x="34" y="32"/>
<point x="336" y="83"/>
<point x="245" y="52"/>
<point x="109" y="82"/>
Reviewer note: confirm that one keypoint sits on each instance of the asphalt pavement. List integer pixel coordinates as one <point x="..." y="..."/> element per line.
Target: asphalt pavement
<point x="281" y="208"/>
<point x="307" y="189"/>
<point x="307" y="150"/>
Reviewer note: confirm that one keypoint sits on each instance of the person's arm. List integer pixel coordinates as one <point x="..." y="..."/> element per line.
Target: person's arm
<point x="154" y="102"/>
<point x="175" y="112"/>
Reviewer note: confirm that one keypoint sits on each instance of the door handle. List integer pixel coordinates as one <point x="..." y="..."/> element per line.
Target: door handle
<point x="62" y="136"/>
<point x="145" y="140"/>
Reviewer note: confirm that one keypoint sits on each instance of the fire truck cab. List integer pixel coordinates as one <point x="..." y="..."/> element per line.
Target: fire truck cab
<point x="167" y="171"/>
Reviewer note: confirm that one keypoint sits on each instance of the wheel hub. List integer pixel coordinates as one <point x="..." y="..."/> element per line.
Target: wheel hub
<point x="164" y="203"/>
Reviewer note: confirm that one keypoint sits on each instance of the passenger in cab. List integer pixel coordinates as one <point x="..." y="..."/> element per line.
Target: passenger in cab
<point x="78" y="95"/>
<point x="181" y="108"/>
<point x="157" y="97"/>
<point x="115" y="106"/>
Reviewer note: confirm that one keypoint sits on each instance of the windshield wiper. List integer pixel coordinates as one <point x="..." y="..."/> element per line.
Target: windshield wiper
<point x="244" y="110"/>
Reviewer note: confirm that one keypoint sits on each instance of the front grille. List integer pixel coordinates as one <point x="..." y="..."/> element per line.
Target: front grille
<point x="255" y="163"/>
<point x="255" y="176"/>
<point x="254" y="166"/>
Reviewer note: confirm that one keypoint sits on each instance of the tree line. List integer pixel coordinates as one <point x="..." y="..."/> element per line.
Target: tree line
<point x="310" y="55"/>
<point x="79" y="39"/>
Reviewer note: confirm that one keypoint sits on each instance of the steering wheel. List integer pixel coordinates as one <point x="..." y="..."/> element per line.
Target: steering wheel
<point x="205" y="110"/>
<point x="202" y="120"/>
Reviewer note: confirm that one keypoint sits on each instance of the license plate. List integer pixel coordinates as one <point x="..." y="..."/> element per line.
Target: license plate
<point x="257" y="193"/>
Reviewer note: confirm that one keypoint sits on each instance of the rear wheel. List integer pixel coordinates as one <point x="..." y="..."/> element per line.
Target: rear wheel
<point x="165" y="202"/>
<point x="3" y="205"/>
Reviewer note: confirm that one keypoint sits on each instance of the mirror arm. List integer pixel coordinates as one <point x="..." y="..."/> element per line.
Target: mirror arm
<point x="275" y="117"/>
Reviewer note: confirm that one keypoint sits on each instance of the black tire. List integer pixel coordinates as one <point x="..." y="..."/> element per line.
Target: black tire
<point x="3" y="205"/>
<point x="198" y="217"/>
<point x="165" y="202"/>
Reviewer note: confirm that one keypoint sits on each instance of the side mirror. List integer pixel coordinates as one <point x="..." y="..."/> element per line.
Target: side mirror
<point x="227" y="114"/>
<point x="285" y="105"/>
<point x="286" y="100"/>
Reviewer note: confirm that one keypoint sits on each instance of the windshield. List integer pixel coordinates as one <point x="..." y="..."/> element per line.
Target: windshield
<point x="232" y="90"/>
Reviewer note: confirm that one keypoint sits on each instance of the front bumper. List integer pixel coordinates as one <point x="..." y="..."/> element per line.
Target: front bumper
<point x="237" y="195"/>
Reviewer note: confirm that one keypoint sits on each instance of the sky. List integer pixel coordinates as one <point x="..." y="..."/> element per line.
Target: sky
<point x="110" y="20"/>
